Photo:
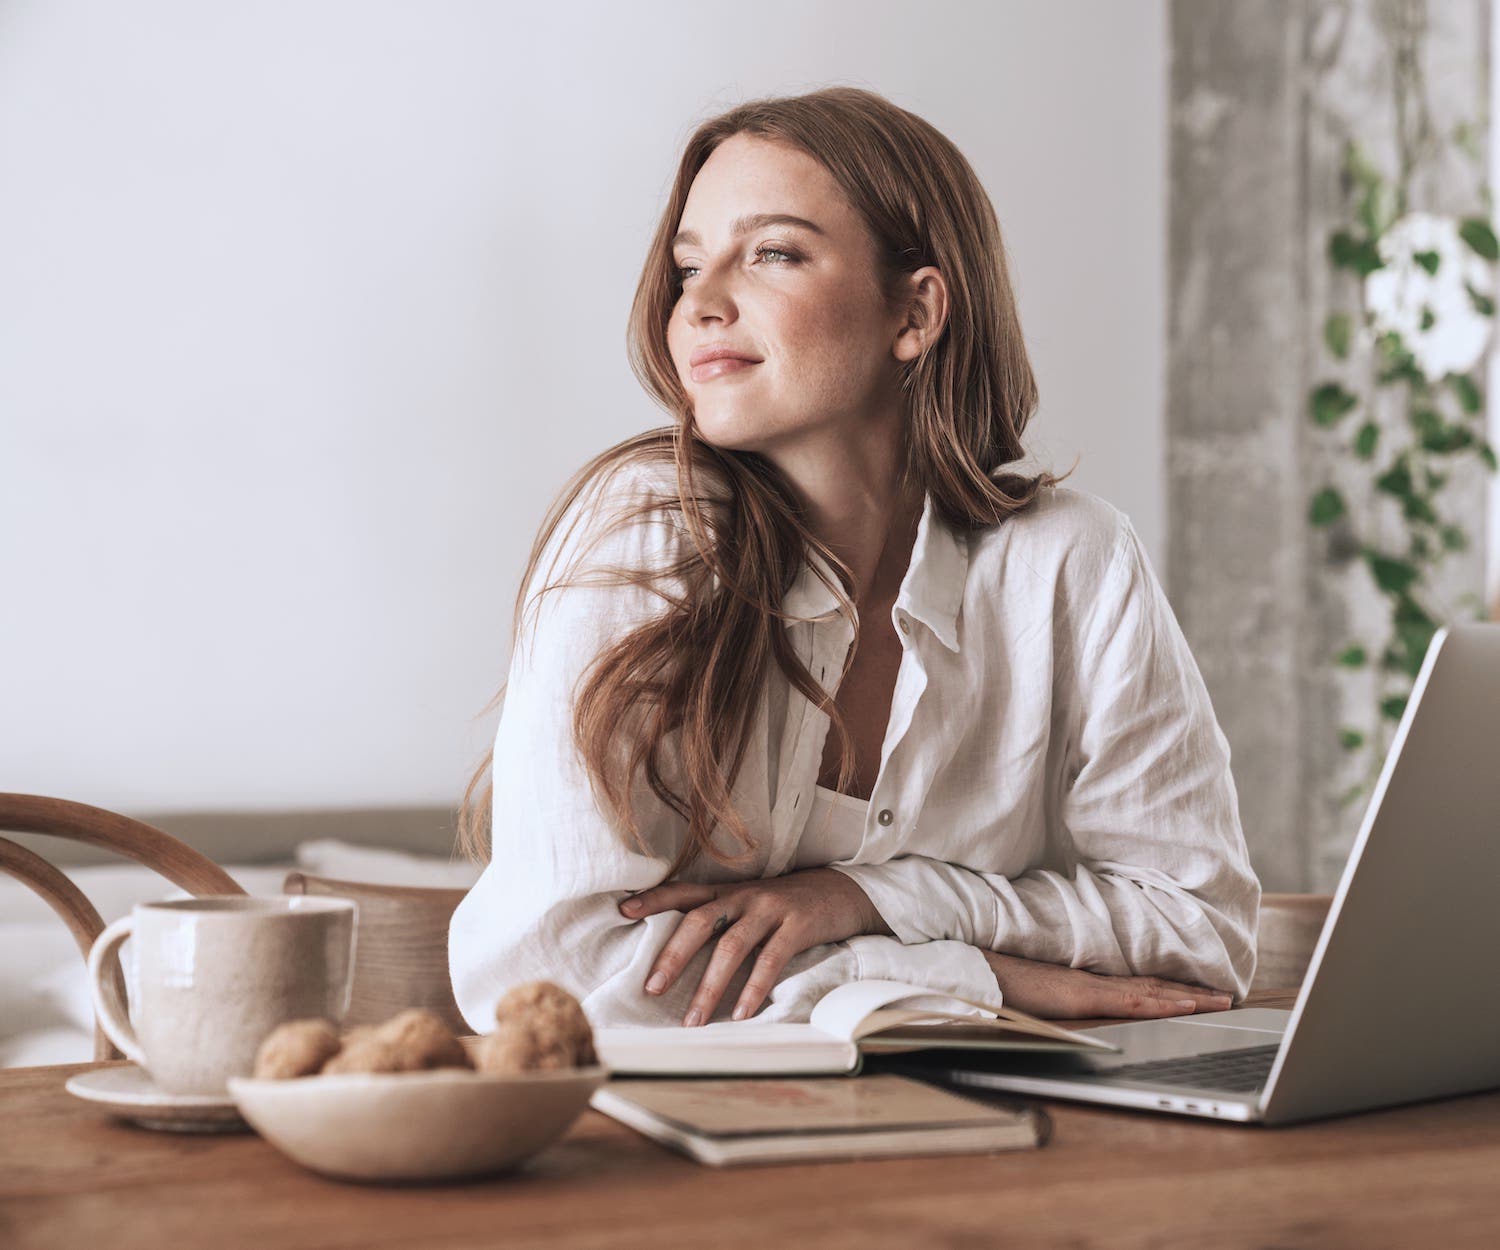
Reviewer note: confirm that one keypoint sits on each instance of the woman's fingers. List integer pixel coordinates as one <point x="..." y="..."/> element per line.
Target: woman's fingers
<point x="692" y="931"/>
<point x="672" y="896"/>
<point x="1151" y="998"/>
<point x="1202" y="998"/>
<point x="733" y="944"/>
<point x="774" y="956"/>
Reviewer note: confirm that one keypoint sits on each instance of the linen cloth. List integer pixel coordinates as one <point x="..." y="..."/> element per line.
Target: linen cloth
<point x="1053" y="782"/>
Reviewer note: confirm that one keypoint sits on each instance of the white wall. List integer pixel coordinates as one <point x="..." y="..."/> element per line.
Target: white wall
<point x="306" y="310"/>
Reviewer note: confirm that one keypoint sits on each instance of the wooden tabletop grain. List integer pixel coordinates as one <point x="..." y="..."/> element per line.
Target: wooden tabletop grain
<point x="1424" y="1175"/>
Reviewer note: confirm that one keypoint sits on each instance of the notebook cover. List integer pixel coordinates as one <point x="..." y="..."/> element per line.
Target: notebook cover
<point x="804" y="1105"/>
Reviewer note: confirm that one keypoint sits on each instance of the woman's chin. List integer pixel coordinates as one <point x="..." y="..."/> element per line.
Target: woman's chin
<point x="729" y="435"/>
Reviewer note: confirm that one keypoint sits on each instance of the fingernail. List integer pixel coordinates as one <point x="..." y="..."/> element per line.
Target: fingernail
<point x="631" y="904"/>
<point x="1187" y="1004"/>
<point x="657" y="983"/>
<point x="692" y="1018"/>
<point x="740" y="1012"/>
<point x="1224" y="1000"/>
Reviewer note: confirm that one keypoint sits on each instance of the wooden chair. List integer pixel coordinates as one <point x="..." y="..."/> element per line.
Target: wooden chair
<point x="162" y="853"/>
<point x="1289" y="929"/>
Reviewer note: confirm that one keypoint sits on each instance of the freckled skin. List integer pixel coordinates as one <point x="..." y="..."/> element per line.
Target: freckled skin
<point x="818" y="323"/>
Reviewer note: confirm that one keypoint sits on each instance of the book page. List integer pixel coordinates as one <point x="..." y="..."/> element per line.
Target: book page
<point x="859" y="1009"/>
<point x="846" y="1012"/>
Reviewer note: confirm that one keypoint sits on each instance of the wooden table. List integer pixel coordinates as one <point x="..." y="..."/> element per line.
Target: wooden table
<point x="1411" y="1177"/>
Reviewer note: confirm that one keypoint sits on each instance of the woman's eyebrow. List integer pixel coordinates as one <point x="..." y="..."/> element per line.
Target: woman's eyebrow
<point x="752" y="221"/>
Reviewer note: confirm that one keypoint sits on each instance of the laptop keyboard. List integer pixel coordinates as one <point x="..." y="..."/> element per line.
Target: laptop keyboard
<point x="1238" y="1071"/>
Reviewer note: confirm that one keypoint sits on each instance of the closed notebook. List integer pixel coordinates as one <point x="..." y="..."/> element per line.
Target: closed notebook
<point x="772" y="1119"/>
<point x="847" y="1023"/>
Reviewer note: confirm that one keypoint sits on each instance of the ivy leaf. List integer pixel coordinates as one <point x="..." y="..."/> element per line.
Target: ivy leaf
<point x="1360" y="255"/>
<point x="1454" y="539"/>
<point x="1468" y="394"/>
<point x="1336" y="333"/>
<point x="1419" y="548"/>
<point x="1351" y="739"/>
<point x="1330" y="402"/>
<point x="1448" y="438"/>
<point x="1391" y="575"/>
<point x="1435" y="481"/>
<point x="1416" y="508"/>
<point x="1415" y="638"/>
<point x="1483" y="304"/>
<point x="1409" y="610"/>
<point x="1365" y="440"/>
<point x="1428" y="260"/>
<point x="1396" y="480"/>
<point x="1393" y="707"/>
<point x="1476" y="232"/>
<point x="1424" y="420"/>
<point x="1353" y="656"/>
<point x="1487" y="454"/>
<point x="1327" y="506"/>
<point x="1429" y="318"/>
<point x="1352" y="793"/>
<point x="1400" y="362"/>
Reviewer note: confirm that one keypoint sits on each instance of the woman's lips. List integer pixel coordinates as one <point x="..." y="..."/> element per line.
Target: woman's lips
<point x="724" y="364"/>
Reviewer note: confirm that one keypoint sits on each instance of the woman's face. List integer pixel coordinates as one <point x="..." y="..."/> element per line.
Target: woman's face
<point x="801" y="300"/>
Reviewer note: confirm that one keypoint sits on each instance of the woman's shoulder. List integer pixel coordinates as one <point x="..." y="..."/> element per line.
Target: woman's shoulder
<point x="1053" y="557"/>
<point x="1062" y="529"/>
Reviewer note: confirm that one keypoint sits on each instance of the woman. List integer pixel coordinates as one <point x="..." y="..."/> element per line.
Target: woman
<point x="1025" y="795"/>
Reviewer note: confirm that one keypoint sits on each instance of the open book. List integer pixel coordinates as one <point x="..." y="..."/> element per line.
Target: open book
<point x="847" y="1023"/>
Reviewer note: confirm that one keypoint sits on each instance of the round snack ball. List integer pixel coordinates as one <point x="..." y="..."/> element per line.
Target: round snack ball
<point x="423" y="1041"/>
<point x="516" y="1046"/>
<point x="367" y="1054"/>
<point x="554" y="1012"/>
<point x="296" y="1048"/>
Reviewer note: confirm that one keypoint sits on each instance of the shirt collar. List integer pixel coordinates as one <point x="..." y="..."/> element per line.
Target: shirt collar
<point x="932" y="590"/>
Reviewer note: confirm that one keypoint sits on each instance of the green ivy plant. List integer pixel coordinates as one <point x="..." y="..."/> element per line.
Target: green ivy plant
<point x="1444" y="419"/>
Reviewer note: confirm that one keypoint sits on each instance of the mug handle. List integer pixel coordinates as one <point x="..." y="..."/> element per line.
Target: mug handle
<point x="108" y="1006"/>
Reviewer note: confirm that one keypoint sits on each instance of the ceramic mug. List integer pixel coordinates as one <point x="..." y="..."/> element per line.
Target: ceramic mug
<point x="215" y="975"/>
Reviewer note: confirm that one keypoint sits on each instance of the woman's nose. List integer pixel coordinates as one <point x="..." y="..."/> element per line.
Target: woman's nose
<point x="707" y="295"/>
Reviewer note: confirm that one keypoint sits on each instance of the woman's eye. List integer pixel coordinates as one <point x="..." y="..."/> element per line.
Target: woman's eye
<point x="682" y="271"/>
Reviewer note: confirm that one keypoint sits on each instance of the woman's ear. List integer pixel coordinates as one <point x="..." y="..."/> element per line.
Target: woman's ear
<point x="926" y="309"/>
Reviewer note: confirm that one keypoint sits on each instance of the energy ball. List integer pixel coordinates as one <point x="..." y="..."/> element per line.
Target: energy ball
<point x="423" y="1041"/>
<point x="519" y="1046"/>
<point x="366" y="1054"/>
<point x="554" y="1015"/>
<point x="296" y="1048"/>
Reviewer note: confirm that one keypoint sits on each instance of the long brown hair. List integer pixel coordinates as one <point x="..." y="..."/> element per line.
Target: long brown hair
<point x="696" y="672"/>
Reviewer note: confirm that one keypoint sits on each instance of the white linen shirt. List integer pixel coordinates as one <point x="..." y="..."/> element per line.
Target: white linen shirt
<point x="1053" y="783"/>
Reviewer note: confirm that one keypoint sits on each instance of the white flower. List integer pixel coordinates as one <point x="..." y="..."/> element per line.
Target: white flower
<point x="1397" y="294"/>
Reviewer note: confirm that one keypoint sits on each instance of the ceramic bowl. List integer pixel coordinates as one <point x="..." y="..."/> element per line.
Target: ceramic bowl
<point x="444" y="1124"/>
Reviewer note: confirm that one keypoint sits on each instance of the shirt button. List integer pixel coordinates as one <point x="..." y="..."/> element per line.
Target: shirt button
<point x="885" y="816"/>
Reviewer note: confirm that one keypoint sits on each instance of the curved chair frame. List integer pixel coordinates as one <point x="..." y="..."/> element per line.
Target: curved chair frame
<point x="161" y="852"/>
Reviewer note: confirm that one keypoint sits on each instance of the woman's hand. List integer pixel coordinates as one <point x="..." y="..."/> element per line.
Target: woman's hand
<point x="1055" y="992"/>
<point x="789" y="914"/>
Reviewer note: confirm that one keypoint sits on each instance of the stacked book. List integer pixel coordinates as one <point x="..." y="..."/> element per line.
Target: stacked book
<point x="740" y="1092"/>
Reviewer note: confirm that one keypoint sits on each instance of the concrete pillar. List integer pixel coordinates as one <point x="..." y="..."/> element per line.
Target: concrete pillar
<point x="1264" y="96"/>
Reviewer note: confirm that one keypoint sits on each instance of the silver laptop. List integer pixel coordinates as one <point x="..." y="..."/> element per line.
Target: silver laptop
<point x="1399" y="1003"/>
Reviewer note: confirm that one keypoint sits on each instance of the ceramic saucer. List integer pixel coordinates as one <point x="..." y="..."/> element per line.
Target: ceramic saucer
<point x="129" y="1092"/>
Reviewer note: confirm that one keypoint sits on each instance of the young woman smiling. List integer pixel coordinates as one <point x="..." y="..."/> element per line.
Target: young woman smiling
<point x="1024" y="793"/>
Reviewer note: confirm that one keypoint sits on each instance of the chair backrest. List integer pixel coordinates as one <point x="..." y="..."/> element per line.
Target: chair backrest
<point x="1289" y="929"/>
<point x="176" y="861"/>
<point x="400" y="947"/>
